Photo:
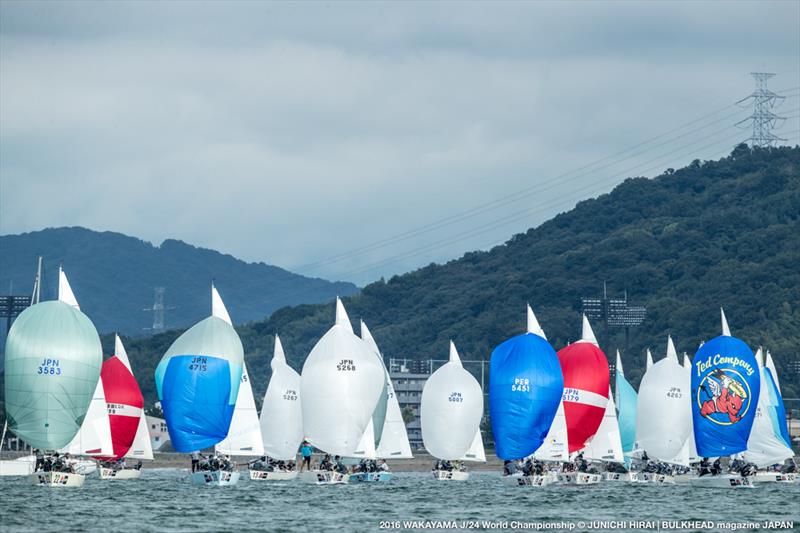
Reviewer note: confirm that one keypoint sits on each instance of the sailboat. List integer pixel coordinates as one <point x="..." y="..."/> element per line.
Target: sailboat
<point x="626" y="400"/>
<point x="726" y="385"/>
<point x="385" y="436"/>
<point x="586" y="396"/>
<point x="197" y="381"/>
<point x="244" y="435"/>
<point x="769" y="441"/>
<point x="281" y="418"/>
<point x="340" y="385"/>
<point x="450" y="411"/>
<point x="52" y="367"/>
<point x="663" y="415"/>
<point x="525" y="389"/>
<point x="126" y="415"/>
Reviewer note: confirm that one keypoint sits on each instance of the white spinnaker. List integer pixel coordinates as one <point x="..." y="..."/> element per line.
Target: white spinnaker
<point x="765" y="446"/>
<point x="394" y="439"/>
<point x="606" y="445"/>
<point x="475" y="452"/>
<point x="450" y="410"/>
<point x="663" y="411"/>
<point x="141" y="448"/>
<point x="556" y="444"/>
<point x="281" y="412"/>
<point x="341" y="384"/>
<point x="244" y="434"/>
<point x="94" y="437"/>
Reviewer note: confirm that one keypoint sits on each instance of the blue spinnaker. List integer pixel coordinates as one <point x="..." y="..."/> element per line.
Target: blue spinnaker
<point x="626" y="402"/>
<point x="525" y="388"/>
<point x="725" y="388"/>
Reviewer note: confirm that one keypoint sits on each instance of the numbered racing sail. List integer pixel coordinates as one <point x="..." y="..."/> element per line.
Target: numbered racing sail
<point x="586" y="387"/>
<point x="725" y="389"/>
<point x="450" y="410"/>
<point x="525" y="389"/>
<point x="52" y="367"/>
<point x="198" y="380"/>
<point x="340" y="385"/>
<point x="281" y="413"/>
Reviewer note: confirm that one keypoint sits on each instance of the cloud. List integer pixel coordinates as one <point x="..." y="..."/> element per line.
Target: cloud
<point x="291" y="133"/>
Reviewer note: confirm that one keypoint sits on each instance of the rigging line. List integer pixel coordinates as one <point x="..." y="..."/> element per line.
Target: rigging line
<point x="500" y="202"/>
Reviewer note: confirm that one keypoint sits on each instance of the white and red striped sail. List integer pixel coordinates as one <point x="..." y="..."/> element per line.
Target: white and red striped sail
<point x="586" y="386"/>
<point x="124" y="400"/>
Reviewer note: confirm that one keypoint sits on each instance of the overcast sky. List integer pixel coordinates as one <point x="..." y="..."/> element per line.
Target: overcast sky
<point x="295" y="133"/>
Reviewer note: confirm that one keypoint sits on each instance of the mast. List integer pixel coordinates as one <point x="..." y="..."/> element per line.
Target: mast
<point x="37" y="283"/>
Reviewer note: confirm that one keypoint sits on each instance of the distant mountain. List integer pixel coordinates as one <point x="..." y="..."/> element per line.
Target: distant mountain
<point x="716" y="233"/>
<point x="114" y="277"/>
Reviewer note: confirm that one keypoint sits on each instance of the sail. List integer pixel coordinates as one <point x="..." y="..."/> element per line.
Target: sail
<point x="475" y="453"/>
<point x="379" y="414"/>
<point x="725" y="390"/>
<point x="769" y="441"/>
<point x="366" y="446"/>
<point x="341" y="383"/>
<point x="94" y="437"/>
<point x="525" y="388"/>
<point x="626" y="405"/>
<point x="123" y="398"/>
<point x="586" y="384"/>
<point x="65" y="293"/>
<point x="556" y="444"/>
<point x="450" y="410"/>
<point x="649" y="363"/>
<point x="663" y="415"/>
<point x="141" y="447"/>
<point x="52" y="367"/>
<point x="394" y="438"/>
<point x="198" y="381"/>
<point x="606" y="444"/>
<point x="281" y="413"/>
<point x="244" y="435"/>
<point x="769" y="363"/>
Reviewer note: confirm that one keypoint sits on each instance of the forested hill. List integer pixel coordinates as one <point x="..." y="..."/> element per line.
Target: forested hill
<point x="114" y="277"/>
<point x="716" y="233"/>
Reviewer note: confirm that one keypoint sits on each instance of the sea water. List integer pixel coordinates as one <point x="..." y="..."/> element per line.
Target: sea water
<point x="163" y="500"/>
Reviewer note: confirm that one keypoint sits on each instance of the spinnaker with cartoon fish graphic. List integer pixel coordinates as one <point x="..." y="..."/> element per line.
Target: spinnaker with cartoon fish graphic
<point x="725" y="387"/>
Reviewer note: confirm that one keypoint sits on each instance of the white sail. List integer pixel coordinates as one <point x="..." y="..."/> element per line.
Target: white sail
<point x="663" y="411"/>
<point x="244" y="434"/>
<point x="281" y="412"/>
<point x="65" y="293"/>
<point x="394" y="438"/>
<point x="366" y="446"/>
<point x="687" y="363"/>
<point x="606" y="444"/>
<point x="475" y="453"/>
<point x="218" y="308"/>
<point x="649" y="363"/>
<point x="726" y="331"/>
<point x="555" y="446"/>
<point x="94" y="437"/>
<point x="450" y="410"/>
<point x="341" y="384"/>
<point x="771" y="365"/>
<point x="587" y="333"/>
<point x="141" y="448"/>
<point x="533" y="324"/>
<point x="766" y="446"/>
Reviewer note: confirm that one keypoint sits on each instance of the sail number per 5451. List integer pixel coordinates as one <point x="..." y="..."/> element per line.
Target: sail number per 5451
<point x="521" y="385"/>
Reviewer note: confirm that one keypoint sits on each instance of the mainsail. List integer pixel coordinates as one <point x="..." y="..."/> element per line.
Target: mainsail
<point x="340" y="385"/>
<point x="586" y="387"/>
<point x="525" y="388"/>
<point x="244" y="435"/>
<point x="198" y="381"/>
<point x="450" y="410"/>
<point x="379" y="414"/>
<point x="52" y="367"/>
<point x="606" y="445"/>
<point x="281" y="413"/>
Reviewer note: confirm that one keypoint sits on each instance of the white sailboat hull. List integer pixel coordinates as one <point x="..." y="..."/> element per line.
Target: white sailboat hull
<point x="18" y="467"/>
<point x="658" y="478"/>
<point x="578" y="478"/>
<point x="324" y="477"/>
<point x="773" y="477"/>
<point x="215" y="478"/>
<point x="628" y="477"/>
<point x="528" y="481"/>
<point x="371" y="477"/>
<point x="57" y="479"/>
<point x="261" y="475"/>
<point x="450" y="475"/>
<point x="122" y="474"/>
<point x="85" y="467"/>
<point x="724" y="481"/>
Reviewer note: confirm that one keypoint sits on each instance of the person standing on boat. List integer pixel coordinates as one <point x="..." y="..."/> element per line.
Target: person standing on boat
<point x="195" y="461"/>
<point x="383" y="467"/>
<point x="306" y="451"/>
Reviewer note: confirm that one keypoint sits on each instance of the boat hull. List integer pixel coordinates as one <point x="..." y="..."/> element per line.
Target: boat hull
<point x="774" y="477"/>
<point x="57" y="479"/>
<point x="627" y="477"/>
<point x="324" y="477"/>
<point x="724" y="481"/>
<point x="371" y="477"/>
<point x="450" y="475"/>
<point x="579" y="478"/>
<point x="18" y="467"/>
<point x="215" y="478"/>
<point x="122" y="474"/>
<point x="528" y="481"/>
<point x="84" y="467"/>
<point x="658" y="478"/>
<point x="262" y="475"/>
